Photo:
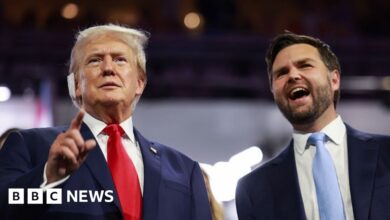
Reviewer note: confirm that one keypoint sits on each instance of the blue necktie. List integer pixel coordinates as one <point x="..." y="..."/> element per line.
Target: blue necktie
<point x="328" y="193"/>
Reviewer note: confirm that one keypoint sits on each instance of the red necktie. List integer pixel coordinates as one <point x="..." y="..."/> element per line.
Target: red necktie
<point x="124" y="174"/>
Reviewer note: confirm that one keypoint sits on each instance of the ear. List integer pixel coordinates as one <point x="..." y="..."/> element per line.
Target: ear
<point x="141" y="83"/>
<point x="335" y="80"/>
<point x="271" y="88"/>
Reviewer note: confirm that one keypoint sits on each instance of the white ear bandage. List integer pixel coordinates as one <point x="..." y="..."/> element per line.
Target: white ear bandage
<point x="72" y="88"/>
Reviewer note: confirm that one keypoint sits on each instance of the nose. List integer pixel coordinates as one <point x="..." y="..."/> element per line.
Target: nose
<point x="294" y="75"/>
<point x="107" y="65"/>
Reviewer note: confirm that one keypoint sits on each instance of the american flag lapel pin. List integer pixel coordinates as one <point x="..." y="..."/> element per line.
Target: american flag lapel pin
<point x="153" y="150"/>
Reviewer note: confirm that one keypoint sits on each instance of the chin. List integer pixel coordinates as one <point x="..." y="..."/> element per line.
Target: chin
<point x="109" y="102"/>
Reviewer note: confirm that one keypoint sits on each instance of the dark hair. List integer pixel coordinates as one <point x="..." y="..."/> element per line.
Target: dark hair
<point x="287" y="39"/>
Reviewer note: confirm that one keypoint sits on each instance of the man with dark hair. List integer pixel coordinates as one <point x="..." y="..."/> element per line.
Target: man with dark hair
<point x="329" y="170"/>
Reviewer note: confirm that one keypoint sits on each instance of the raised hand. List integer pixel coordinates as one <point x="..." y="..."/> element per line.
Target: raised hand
<point x="68" y="151"/>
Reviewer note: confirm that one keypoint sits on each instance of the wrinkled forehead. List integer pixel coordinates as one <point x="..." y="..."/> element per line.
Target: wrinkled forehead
<point x="294" y="53"/>
<point x="107" y="44"/>
<point x="94" y="41"/>
<point x="134" y="41"/>
<point x="102" y="43"/>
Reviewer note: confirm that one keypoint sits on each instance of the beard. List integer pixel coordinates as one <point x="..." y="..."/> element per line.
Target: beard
<point x="322" y="99"/>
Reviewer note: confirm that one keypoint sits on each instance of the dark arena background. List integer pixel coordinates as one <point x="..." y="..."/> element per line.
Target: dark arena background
<point x="208" y="92"/>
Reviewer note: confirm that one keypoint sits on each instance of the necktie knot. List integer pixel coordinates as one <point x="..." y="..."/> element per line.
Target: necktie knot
<point x="317" y="137"/>
<point x="113" y="129"/>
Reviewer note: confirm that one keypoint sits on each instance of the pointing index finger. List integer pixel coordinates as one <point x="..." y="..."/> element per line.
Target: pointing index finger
<point x="77" y="121"/>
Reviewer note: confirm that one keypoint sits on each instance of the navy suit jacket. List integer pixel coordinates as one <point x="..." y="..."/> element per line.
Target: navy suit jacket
<point x="272" y="191"/>
<point x="173" y="184"/>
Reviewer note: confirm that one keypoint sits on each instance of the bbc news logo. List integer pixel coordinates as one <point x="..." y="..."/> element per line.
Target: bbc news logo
<point x="54" y="196"/>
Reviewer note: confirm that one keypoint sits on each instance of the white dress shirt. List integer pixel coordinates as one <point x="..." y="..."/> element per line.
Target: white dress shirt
<point x="304" y="155"/>
<point x="130" y="144"/>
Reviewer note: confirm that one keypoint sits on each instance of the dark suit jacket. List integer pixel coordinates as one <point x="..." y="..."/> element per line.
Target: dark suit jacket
<point x="272" y="191"/>
<point x="173" y="184"/>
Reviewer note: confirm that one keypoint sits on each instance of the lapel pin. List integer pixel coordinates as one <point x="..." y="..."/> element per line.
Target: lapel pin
<point x="153" y="150"/>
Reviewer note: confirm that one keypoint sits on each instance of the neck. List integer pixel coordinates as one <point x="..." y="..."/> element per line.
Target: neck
<point x="111" y="114"/>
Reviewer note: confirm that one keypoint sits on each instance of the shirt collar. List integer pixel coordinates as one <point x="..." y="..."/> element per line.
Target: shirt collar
<point x="96" y="126"/>
<point x="335" y="131"/>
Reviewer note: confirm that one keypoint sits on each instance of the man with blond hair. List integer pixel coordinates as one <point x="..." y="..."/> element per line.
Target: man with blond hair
<point x="101" y="151"/>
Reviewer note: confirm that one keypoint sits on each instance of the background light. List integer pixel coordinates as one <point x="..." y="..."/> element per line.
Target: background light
<point x="192" y="20"/>
<point x="224" y="175"/>
<point x="386" y="83"/>
<point x="248" y="157"/>
<point x="5" y="93"/>
<point x="70" y="11"/>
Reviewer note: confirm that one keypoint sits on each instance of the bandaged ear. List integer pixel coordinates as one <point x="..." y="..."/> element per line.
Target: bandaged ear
<point x="72" y="88"/>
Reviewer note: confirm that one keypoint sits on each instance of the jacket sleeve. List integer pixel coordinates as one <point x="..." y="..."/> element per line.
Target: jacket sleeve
<point x="18" y="169"/>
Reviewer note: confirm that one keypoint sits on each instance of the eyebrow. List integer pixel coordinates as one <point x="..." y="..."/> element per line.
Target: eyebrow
<point x="298" y="62"/>
<point x="100" y="52"/>
<point x="279" y="70"/>
<point x="97" y="53"/>
<point x="305" y="60"/>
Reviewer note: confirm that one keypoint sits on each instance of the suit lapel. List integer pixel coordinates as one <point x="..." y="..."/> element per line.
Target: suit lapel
<point x="152" y="176"/>
<point x="97" y="164"/>
<point x="284" y="181"/>
<point x="362" y="156"/>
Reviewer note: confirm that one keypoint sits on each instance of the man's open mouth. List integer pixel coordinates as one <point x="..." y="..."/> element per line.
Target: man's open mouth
<point x="298" y="93"/>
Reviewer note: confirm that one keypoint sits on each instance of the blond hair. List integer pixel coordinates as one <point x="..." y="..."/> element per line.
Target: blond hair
<point x="216" y="208"/>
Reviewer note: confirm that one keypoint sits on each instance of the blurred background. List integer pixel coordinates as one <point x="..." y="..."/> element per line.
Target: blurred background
<point x="208" y="93"/>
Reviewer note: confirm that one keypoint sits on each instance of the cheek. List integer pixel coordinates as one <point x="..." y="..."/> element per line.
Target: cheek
<point x="85" y="83"/>
<point x="327" y="83"/>
<point x="132" y="79"/>
<point x="276" y="87"/>
<point x="91" y="75"/>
